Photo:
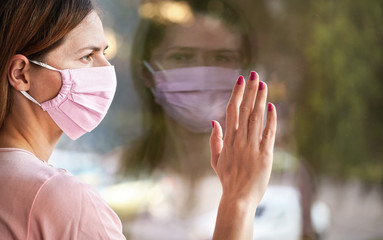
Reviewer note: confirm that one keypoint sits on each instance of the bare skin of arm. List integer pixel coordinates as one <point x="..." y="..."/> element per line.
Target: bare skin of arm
<point x="243" y="158"/>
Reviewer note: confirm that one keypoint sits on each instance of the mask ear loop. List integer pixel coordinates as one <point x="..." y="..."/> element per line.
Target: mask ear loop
<point x="161" y="69"/>
<point x="30" y="97"/>
<point x="44" y="65"/>
<point x="151" y="70"/>
<point x="147" y="65"/>
<point x="159" y="66"/>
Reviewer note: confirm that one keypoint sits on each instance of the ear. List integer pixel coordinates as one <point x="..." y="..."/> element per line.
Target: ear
<point x="147" y="77"/>
<point x="19" y="72"/>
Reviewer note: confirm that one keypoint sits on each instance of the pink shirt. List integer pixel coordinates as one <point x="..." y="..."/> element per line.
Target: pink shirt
<point x="38" y="201"/>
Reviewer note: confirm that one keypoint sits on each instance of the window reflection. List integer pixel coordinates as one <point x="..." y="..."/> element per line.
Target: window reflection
<point x="322" y="63"/>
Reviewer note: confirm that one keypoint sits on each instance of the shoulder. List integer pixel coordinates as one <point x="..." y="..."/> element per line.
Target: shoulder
<point x="73" y="208"/>
<point x="23" y="166"/>
<point x="50" y="203"/>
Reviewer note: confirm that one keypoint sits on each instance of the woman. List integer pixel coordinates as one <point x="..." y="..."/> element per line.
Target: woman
<point x="55" y="78"/>
<point x="37" y="104"/>
<point x="184" y="72"/>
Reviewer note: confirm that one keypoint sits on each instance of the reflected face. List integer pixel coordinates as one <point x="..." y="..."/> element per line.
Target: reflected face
<point x="205" y="42"/>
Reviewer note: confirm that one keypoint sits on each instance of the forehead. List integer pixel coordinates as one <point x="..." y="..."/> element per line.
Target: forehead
<point x="204" y="33"/>
<point x="89" y="32"/>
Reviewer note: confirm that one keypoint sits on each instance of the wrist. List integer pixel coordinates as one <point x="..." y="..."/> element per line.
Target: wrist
<point x="235" y="219"/>
<point x="238" y="205"/>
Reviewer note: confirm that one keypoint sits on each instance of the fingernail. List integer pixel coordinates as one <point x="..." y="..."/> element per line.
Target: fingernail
<point x="212" y="124"/>
<point x="252" y="75"/>
<point x="270" y="107"/>
<point x="261" y="86"/>
<point x="240" y="80"/>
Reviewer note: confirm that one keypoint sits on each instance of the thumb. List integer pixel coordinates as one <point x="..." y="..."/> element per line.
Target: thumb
<point x="216" y="143"/>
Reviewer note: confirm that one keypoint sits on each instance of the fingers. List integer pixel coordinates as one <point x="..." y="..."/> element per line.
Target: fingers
<point x="268" y="137"/>
<point x="232" y="111"/>
<point x="216" y="143"/>
<point x="247" y="104"/>
<point x="246" y="109"/>
<point x="257" y="115"/>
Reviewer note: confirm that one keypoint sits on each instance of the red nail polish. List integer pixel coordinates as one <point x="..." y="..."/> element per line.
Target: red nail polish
<point x="240" y="80"/>
<point x="212" y="124"/>
<point x="261" y="86"/>
<point x="270" y="107"/>
<point x="252" y="75"/>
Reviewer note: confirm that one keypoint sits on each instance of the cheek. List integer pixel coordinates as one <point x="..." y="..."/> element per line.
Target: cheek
<point x="46" y="86"/>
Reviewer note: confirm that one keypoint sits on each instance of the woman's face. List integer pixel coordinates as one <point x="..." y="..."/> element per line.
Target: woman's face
<point x="192" y="102"/>
<point x="83" y="47"/>
<point x="205" y="42"/>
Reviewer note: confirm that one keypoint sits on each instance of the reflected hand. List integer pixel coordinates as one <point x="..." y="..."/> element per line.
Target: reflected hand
<point x="243" y="158"/>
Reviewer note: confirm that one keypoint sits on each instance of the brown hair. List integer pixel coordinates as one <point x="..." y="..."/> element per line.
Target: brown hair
<point x="33" y="28"/>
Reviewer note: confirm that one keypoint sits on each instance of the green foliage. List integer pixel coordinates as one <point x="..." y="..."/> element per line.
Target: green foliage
<point x="340" y="112"/>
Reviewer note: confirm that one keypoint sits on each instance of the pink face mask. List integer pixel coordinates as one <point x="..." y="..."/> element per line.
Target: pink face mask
<point x="194" y="96"/>
<point x="83" y="100"/>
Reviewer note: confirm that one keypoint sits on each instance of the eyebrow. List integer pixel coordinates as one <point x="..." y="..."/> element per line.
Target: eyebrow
<point x="195" y="48"/>
<point x="180" y="48"/>
<point x="93" y="48"/>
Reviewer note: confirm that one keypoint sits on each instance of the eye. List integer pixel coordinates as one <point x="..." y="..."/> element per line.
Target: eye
<point x="87" y="58"/>
<point x="180" y="57"/>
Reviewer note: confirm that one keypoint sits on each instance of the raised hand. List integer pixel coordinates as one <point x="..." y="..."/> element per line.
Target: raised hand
<point x="243" y="158"/>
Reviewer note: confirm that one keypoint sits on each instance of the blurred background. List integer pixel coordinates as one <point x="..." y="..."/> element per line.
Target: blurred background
<point x="322" y="61"/>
